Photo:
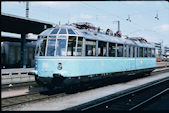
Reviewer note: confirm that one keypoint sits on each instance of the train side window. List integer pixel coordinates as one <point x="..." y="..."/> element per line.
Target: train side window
<point x="149" y="52"/>
<point x="145" y="52"/>
<point x="90" y="48"/>
<point x="153" y="52"/>
<point x="133" y="51"/>
<point x="42" y="48"/>
<point x="137" y="51"/>
<point x="62" y="31"/>
<point x="102" y="48"/>
<point x="129" y="52"/>
<point x="71" y="46"/>
<point x="79" y="46"/>
<point x="37" y="50"/>
<point x="141" y="52"/>
<point x="125" y="51"/>
<point x="54" y="31"/>
<point x="119" y="50"/>
<point x="70" y="31"/>
<point x="37" y="47"/>
<point x="112" y="49"/>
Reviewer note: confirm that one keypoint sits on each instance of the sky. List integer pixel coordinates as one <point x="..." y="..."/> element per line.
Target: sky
<point x="103" y="14"/>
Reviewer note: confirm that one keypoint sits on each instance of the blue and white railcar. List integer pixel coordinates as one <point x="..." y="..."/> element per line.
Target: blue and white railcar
<point x="68" y="55"/>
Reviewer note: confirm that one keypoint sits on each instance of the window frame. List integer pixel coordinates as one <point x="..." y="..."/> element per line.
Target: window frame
<point x="95" y="47"/>
<point x="98" y="48"/>
<point x="48" y="46"/>
<point x="75" y="45"/>
<point x="77" y="39"/>
<point x="118" y="48"/>
<point x="114" y="49"/>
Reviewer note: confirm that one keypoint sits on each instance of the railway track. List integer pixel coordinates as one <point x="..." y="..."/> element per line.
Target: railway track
<point x="149" y="100"/>
<point x="8" y="102"/>
<point x="129" y="100"/>
<point x="18" y="85"/>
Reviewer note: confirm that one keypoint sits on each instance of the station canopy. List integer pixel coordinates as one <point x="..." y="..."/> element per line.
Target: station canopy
<point x="22" y="25"/>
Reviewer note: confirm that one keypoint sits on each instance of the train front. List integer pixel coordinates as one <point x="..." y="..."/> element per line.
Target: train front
<point x="50" y="54"/>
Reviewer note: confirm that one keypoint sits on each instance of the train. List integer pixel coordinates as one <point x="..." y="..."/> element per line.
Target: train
<point x="71" y="54"/>
<point x="11" y="56"/>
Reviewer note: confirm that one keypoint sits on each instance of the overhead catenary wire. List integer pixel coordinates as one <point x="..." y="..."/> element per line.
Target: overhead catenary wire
<point x="123" y="19"/>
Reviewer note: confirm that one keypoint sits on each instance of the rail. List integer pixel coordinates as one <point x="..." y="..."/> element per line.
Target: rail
<point x="125" y="100"/>
<point x="9" y="102"/>
<point x="148" y="100"/>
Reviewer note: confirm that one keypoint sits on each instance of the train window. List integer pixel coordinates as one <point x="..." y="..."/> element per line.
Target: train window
<point x="112" y="49"/>
<point x="61" y="47"/>
<point x="62" y="31"/>
<point x="61" y="36"/>
<point x="70" y="31"/>
<point x="119" y="50"/>
<point x="133" y="51"/>
<point x="102" y="48"/>
<point x="42" y="48"/>
<point x="46" y="32"/>
<point x="71" y="46"/>
<point x="145" y="52"/>
<point x="37" y="47"/>
<point x="51" y="47"/>
<point x="125" y="51"/>
<point x="79" y="46"/>
<point x="149" y="52"/>
<point x="54" y="31"/>
<point x="52" y="36"/>
<point x="137" y="51"/>
<point x="90" y="48"/>
<point x="153" y="52"/>
<point x="141" y="52"/>
<point x="129" y="53"/>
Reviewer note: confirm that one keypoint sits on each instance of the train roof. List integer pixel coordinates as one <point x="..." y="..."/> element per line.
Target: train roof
<point x="69" y="30"/>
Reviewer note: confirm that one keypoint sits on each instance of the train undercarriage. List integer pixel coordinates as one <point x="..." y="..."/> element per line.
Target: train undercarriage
<point x="67" y="82"/>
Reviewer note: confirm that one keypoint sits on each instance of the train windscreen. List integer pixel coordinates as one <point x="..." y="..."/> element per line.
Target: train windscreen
<point x="51" y="47"/>
<point x="61" y="47"/>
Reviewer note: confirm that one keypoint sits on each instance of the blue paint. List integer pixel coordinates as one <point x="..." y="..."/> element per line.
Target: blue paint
<point x="81" y="66"/>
